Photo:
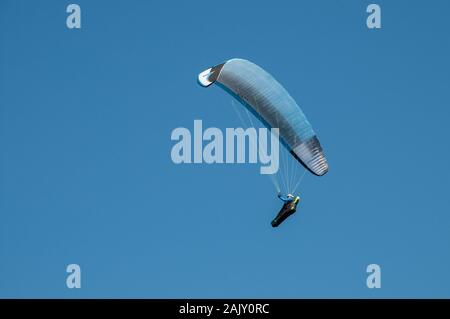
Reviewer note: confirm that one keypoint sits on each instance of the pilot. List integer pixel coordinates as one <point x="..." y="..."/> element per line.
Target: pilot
<point x="289" y="208"/>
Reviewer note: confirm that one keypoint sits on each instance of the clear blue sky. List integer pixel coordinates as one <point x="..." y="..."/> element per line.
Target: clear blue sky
<point x="87" y="178"/>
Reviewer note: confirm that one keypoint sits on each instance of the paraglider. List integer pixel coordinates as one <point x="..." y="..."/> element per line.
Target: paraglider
<point x="269" y="101"/>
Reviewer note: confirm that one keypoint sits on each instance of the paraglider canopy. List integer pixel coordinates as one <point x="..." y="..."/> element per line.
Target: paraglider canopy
<point x="269" y="101"/>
